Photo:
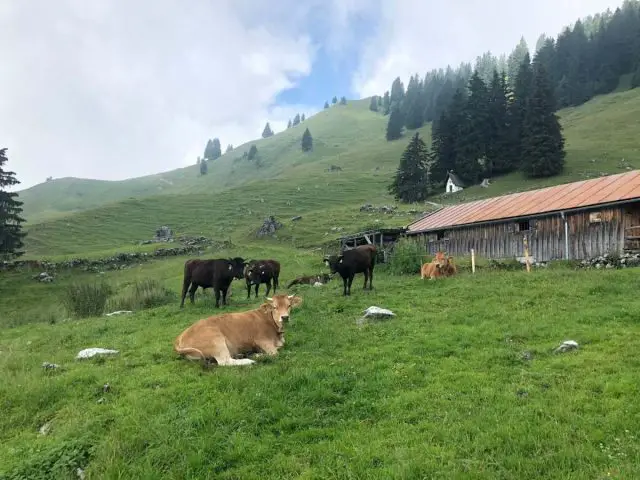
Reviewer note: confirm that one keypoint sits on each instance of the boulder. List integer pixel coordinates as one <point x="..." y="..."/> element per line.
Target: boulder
<point x="375" y="313"/>
<point x="566" y="346"/>
<point x="92" y="352"/>
<point x="269" y="227"/>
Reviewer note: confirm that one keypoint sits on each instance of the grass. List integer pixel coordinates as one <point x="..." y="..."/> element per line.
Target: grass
<point x="443" y="390"/>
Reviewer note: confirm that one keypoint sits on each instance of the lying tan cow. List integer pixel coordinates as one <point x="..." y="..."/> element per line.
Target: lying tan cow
<point x="434" y="268"/>
<point x="222" y="337"/>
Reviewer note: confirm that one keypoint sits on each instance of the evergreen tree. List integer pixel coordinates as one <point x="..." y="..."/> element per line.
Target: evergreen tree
<point x="253" y="152"/>
<point x="229" y="148"/>
<point x="11" y="234"/>
<point x="326" y="105"/>
<point x="411" y="180"/>
<point x="302" y="118"/>
<point x="445" y="137"/>
<point x="515" y="61"/>
<point x="373" y="106"/>
<point x="307" y="141"/>
<point x="343" y="100"/>
<point x="379" y="101"/>
<point x="208" y="149"/>
<point x="296" y="119"/>
<point x="502" y="147"/>
<point x="395" y="124"/>
<point x="485" y="66"/>
<point x="204" y="167"/>
<point x="414" y="104"/>
<point x="521" y="91"/>
<point x="397" y="93"/>
<point x="543" y="151"/>
<point x="267" y="132"/>
<point x="289" y="124"/>
<point x="334" y="100"/>
<point x="216" y="150"/>
<point x="386" y="103"/>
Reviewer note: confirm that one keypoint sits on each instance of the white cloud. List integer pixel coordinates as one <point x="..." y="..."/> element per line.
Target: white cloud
<point x="115" y="89"/>
<point x="417" y="36"/>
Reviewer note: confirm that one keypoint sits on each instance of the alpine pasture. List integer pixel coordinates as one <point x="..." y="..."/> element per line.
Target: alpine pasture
<point x="462" y="383"/>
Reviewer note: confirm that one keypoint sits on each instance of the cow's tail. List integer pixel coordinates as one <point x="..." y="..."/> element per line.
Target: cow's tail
<point x="180" y="350"/>
<point x="292" y="283"/>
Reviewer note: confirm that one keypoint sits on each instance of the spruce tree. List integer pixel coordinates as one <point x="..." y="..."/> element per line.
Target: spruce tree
<point x="334" y="100"/>
<point x="302" y="118"/>
<point x="216" y="149"/>
<point x="543" y="151"/>
<point x="289" y="124"/>
<point x="11" y="234"/>
<point x="204" y="168"/>
<point x="296" y="119"/>
<point x="521" y="93"/>
<point x="208" y="149"/>
<point x="397" y="93"/>
<point x="386" y="103"/>
<point x="502" y="149"/>
<point x="395" y="124"/>
<point x="373" y="105"/>
<point x="446" y="134"/>
<point x="307" y="141"/>
<point x="229" y="148"/>
<point x="379" y="101"/>
<point x="414" y="104"/>
<point x="253" y="152"/>
<point x="326" y="105"/>
<point x="411" y="179"/>
<point x="343" y="100"/>
<point x="267" y="132"/>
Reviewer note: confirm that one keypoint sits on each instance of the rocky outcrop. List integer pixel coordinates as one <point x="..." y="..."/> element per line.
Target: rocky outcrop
<point x="269" y="227"/>
<point x="612" y="261"/>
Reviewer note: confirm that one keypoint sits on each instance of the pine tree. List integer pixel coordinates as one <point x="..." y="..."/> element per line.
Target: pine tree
<point x="445" y="137"/>
<point x="414" y="104"/>
<point x="302" y="118"/>
<point x="501" y="147"/>
<point x="253" y="152"/>
<point x="515" y="61"/>
<point x="343" y="100"/>
<point x="216" y="150"/>
<point x="267" y="132"/>
<point x="373" y="106"/>
<point x="289" y="124"/>
<point x="521" y="93"/>
<point x="386" y="103"/>
<point x="204" y="167"/>
<point x="229" y="148"/>
<point x="326" y="105"/>
<point x="208" y="149"/>
<point x="11" y="234"/>
<point x="296" y="119"/>
<point x="395" y="124"/>
<point x="334" y="100"/>
<point x="307" y="141"/>
<point x="543" y="151"/>
<point x="379" y="101"/>
<point x="411" y="181"/>
<point x="397" y="93"/>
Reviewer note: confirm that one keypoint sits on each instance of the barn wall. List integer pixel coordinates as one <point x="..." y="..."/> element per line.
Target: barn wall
<point x="588" y="236"/>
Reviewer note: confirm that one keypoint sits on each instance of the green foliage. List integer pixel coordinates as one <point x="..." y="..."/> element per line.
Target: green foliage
<point x="213" y="150"/>
<point x="307" y="141"/>
<point x="229" y="149"/>
<point x="302" y="118"/>
<point x="11" y="233"/>
<point x="147" y="293"/>
<point x="410" y="183"/>
<point x="407" y="258"/>
<point x="343" y="100"/>
<point x="267" y="132"/>
<point x="289" y="124"/>
<point x="204" y="166"/>
<point x="414" y="104"/>
<point x="296" y="120"/>
<point x="334" y="100"/>
<point x="515" y="60"/>
<point x="386" y="103"/>
<point x="86" y="299"/>
<point x="253" y="152"/>
<point x="395" y="126"/>
<point x="373" y="105"/>
<point x="326" y="105"/>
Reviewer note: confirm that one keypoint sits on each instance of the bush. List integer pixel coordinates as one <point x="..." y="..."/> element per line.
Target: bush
<point x="407" y="258"/>
<point x="86" y="300"/>
<point x="142" y="294"/>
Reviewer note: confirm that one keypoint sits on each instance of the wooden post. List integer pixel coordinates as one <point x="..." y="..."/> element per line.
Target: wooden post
<point x="526" y="253"/>
<point x="473" y="261"/>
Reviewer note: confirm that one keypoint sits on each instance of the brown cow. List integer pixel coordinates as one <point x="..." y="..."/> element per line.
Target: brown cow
<point x="221" y="337"/>
<point x="435" y="267"/>
<point x="450" y="268"/>
<point x="217" y="274"/>
<point x="262" y="271"/>
<point x="310" y="280"/>
<point x="348" y="263"/>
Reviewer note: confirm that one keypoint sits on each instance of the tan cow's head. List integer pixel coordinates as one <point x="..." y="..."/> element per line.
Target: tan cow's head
<point x="280" y="306"/>
<point x="440" y="260"/>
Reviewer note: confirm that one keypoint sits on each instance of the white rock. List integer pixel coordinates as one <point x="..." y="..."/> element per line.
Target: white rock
<point x="44" y="429"/>
<point x="318" y="284"/>
<point x="566" y="346"/>
<point x="118" y="312"/>
<point x="374" y="312"/>
<point x="92" y="352"/>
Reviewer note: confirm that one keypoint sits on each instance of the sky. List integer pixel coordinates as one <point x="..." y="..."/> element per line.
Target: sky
<point x="114" y="89"/>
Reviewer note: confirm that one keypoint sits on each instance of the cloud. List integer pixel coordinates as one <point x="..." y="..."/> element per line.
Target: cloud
<point x="416" y="36"/>
<point x="115" y="89"/>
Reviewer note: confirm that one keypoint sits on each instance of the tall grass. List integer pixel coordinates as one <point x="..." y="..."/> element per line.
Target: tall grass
<point x="86" y="299"/>
<point x="148" y="293"/>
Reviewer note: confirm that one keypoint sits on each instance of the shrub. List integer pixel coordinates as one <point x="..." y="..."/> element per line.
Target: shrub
<point x="407" y="258"/>
<point x="86" y="299"/>
<point x="148" y="293"/>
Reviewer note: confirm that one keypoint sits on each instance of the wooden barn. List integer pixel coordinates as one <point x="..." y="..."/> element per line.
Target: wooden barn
<point x="384" y="239"/>
<point x="572" y="221"/>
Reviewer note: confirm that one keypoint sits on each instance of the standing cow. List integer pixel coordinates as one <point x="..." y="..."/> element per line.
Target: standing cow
<point x="361" y="259"/>
<point x="217" y="274"/>
<point x="262" y="271"/>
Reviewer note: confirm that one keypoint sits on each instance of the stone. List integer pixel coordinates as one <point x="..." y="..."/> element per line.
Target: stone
<point x="92" y="352"/>
<point x="269" y="227"/>
<point x="118" y="312"/>
<point x="163" y="234"/>
<point x="318" y="284"/>
<point x="375" y="313"/>
<point x="50" y="366"/>
<point x="566" y="346"/>
<point x="296" y="218"/>
<point x="44" y="429"/>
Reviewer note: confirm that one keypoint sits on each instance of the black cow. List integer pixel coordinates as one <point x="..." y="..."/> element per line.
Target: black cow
<point x="262" y="271"/>
<point x="216" y="273"/>
<point x="310" y="280"/>
<point x="361" y="259"/>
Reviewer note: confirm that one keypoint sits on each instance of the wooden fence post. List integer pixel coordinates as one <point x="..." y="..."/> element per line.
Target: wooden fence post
<point x="526" y="253"/>
<point x="473" y="261"/>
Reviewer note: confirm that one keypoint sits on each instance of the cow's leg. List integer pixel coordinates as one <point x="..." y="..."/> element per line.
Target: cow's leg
<point x="185" y="287"/>
<point x="217" y="292"/>
<point x="257" y="287"/>
<point x="344" y="282"/>
<point x="220" y="352"/>
<point x="192" y="292"/>
<point x="248" y="290"/>
<point x="350" y="282"/>
<point x="224" y="295"/>
<point x="276" y="283"/>
<point x="366" y="277"/>
<point x="268" y="282"/>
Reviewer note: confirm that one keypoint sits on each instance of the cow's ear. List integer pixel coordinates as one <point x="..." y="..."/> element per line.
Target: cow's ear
<point x="230" y="267"/>
<point x="295" y="300"/>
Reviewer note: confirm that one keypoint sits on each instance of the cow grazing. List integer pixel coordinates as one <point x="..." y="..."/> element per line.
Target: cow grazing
<point x="434" y="268"/>
<point x="310" y="280"/>
<point x="216" y="273"/>
<point x="361" y="259"/>
<point x="222" y="337"/>
<point x="262" y="271"/>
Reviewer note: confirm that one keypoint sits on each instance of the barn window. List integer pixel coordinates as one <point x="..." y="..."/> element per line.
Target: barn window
<point x="440" y="235"/>
<point x="523" y="225"/>
<point x="595" y="217"/>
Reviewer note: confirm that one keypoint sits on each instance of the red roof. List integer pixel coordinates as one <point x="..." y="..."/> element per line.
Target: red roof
<point x="610" y="188"/>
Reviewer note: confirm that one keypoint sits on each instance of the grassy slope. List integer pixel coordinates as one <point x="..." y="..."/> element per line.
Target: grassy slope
<point x="440" y="391"/>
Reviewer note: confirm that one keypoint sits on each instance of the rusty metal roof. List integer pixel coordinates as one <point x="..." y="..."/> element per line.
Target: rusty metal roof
<point x="607" y="189"/>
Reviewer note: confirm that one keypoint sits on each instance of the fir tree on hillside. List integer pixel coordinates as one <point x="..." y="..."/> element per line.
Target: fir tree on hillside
<point x="253" y="152"/>
<point x="204" y="167"/>
<point x="515" y="60"/>
<point x="334" y="100"/>
<point x="267" y="132"/>
<point x="307" y="141"/>
<point x="302" y="118"/>
<point x="212" y="150"/>
<point x="445" y="138"/>
<point x="11" y="234"/>
<point x="414" y="104"/>
<point x="397" y="93"/>
<point x="296" y="119"/>
<point x="379" y="101"/>
<point x="521" y="92"/>
<point x="386" y="103"/>
<point x="502" y="147"/>
<point x="208" y="149"/>
<point x="229" y="148"/>
<point x="411" y="180"/>
<point x="543" y="151"/>
<point x="326" y="105"/>
<point x="373" y="105"/>
<point x="289" y="124"/>
<point x="343" y="100"/>
<point x="395" y="124"/>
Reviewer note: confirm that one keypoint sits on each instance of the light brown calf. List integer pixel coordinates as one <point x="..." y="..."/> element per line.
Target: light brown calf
<point x="222" y="337"/>
<point x="435" y="268"/>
